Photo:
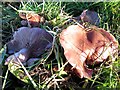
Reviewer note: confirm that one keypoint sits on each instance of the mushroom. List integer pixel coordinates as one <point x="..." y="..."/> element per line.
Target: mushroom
<point x="89" y="16"/>
<point x="31" y="18"/>
<point x="28" y="43"/>
<point x="83" y="47"/>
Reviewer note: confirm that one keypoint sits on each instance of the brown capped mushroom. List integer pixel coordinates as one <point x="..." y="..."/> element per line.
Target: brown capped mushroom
<point x="31" y="18"/>
<point x="82" y="47"/>
<point x="29" y="42"/>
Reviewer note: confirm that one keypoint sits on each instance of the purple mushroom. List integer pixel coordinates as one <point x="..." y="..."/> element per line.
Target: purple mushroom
<point x="90" y="16"/>
<point x="28" y="43"/>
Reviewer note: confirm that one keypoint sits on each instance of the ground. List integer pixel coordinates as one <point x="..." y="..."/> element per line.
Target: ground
<point x="56" y="14"/>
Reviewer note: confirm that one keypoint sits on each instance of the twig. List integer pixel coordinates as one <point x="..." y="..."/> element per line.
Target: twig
<point x="5" y="80"/>
<point x="32" y="81"/>
<point x="13" y="7"/>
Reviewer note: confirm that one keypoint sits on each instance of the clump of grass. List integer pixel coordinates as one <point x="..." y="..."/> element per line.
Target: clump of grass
<point x="50" y="10"/>
<point x="75" y="8"/>
<point x="110" y="18"/>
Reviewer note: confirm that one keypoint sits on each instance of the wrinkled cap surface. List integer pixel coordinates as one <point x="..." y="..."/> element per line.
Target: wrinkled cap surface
<point x="83" y="47"/>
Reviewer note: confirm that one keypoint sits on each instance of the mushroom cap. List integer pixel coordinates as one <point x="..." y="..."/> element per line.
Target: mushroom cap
<point x="31" y="17"/>
<point x="83" y="47"/>
<point x="90" y="16"/>
<point x="34" y="39"/>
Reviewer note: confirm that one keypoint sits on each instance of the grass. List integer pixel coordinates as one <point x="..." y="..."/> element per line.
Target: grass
<point x="49" y="72"/>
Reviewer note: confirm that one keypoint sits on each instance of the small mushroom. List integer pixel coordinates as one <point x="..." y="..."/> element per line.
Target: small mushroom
<point x="90" y="16"/>
<point x="31" y="18"/>
<point x="83" y="47"/>
<point x="28" y="43"/>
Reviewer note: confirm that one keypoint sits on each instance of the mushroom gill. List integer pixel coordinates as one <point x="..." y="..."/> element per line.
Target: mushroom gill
<point x="82" y="47"/>
<point x="28" y="42"/>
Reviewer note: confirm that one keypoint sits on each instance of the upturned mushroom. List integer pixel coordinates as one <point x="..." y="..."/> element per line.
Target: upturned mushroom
<point x="83" y="47"/>
<point x="28" y="43"/>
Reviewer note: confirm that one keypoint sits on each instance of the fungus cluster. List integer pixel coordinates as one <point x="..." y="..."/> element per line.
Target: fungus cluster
<point x="82" y="46"/>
